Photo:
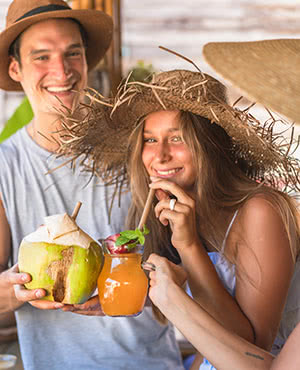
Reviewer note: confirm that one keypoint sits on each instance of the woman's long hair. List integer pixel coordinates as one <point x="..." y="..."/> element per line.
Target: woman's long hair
<point x="223" y="183"/>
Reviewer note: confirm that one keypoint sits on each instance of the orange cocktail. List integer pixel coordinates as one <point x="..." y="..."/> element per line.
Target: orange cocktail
<point x="122" y="285"/>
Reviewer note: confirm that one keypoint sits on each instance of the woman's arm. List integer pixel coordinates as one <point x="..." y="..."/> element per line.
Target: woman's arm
<point x="224" y="349"/>
<point x="206" y="287"/>
<point x="289" y="357"/>
<point x="264" y="265"/>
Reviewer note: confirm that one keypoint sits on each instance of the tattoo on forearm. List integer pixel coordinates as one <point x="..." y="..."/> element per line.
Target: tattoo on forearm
<point x="254" y="355"/>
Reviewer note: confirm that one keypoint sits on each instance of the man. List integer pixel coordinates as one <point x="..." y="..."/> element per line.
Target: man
<point x="46" y="50"/>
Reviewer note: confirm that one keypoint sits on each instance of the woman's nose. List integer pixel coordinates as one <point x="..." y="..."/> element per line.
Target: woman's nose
<point x="163" y="152"/>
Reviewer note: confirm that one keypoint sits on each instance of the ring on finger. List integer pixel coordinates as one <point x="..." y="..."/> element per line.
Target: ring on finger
<point x="172" y="204"/>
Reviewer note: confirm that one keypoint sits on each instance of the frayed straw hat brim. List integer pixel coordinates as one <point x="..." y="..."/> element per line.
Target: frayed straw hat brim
<point x="268" y="71"/>
<point x="100" y="136"/>
<point x="97" y="24"/>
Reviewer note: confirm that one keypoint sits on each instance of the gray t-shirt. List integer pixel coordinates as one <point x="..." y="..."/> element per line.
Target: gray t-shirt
<point x="53" y="339"/>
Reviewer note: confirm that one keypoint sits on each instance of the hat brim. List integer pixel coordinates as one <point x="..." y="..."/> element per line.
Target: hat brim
<point x="267" y="71"/>
<point x="97" y="24"/>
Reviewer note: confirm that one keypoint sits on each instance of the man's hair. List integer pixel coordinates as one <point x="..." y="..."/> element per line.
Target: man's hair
<point x="14" y="49"/>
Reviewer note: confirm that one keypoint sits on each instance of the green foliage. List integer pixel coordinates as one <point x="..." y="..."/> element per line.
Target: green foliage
<point x="132" y="236"/>
<point x="141" y="72"/>
<point x="22" y="115"/>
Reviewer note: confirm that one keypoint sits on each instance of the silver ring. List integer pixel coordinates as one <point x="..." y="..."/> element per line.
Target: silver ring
<point x="172" y="204"/>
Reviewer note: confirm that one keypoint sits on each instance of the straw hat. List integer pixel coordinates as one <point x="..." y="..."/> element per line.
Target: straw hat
<point x="24" y="13"/>
<point x="101" y="136"/>
<point x="268" y="71"/>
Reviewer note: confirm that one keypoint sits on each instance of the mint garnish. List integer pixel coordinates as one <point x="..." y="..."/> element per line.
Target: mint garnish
<point x="132" y="237"/>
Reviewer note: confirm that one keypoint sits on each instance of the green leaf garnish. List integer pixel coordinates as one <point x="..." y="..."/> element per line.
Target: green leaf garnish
<point x="132" y="237"/>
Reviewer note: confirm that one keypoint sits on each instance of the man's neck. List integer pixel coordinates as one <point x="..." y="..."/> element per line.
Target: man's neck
<point x="44" y="130"/>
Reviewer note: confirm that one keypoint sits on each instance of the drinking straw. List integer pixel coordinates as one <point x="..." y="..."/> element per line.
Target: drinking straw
<point x="147" y="207"/>
<point x="76" y="210"/>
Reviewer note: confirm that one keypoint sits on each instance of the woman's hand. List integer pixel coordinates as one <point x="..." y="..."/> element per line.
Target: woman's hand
<point x="165" y="276"/>
<point x="182" y="218"/>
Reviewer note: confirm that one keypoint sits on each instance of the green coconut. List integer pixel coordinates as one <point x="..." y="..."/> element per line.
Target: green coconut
<point x="68" y="273"/>
<point x="62" y="259"/>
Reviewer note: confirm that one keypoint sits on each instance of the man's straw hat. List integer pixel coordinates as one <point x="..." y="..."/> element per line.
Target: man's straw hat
<point x="268" y="71"/>
<point x="101" y="136"/>
<point x="24" y="13"/>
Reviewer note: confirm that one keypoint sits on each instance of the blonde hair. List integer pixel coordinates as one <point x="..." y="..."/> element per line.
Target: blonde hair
<point x="222" y="183"/>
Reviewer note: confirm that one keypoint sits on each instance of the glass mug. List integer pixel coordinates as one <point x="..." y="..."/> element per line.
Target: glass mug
<point x="122" y="285"/>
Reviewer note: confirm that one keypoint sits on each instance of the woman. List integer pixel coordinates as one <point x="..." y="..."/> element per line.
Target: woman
<point x="217" y="175"/>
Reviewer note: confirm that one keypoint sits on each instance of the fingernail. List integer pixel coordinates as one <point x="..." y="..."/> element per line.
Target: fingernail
<point x="24" y="277"/>
<point x="39" y="294"/>
<point x="58" y="305"/>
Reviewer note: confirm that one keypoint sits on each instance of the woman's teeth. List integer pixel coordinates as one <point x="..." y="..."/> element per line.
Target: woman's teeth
<point x="168" y="172"/>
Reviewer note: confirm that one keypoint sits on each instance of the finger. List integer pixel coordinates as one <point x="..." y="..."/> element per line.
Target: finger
<point x="46" y="305"/>
<point x="90" y="304"/>
<point x="88" y="313"/>
<point x="161" y="194"/>
<point x="13" y="276"/>
<point x="91" y="308"/>
<point x="15" y="268"/>
<point x="155" y="259"/>
<point x="24" y="295"/>
<point x="171" y="188"/>
<point x="167" y="216"/>
<point x="165" y="205"/>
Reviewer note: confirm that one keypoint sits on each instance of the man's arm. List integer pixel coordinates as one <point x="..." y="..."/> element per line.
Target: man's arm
<point x="8" y="277"/>
<point x="12" y="291"/>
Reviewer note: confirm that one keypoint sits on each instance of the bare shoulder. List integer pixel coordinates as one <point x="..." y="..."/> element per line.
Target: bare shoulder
<point x="261" y="210"/>
<point x="261" y="227"/>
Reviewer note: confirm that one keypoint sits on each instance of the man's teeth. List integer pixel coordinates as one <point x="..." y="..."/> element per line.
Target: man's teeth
<point x="168" y="172"/>
<point x="57" y="89"/>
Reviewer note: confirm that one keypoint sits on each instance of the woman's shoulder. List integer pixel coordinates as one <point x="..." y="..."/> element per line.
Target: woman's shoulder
<point x="264" y="214"/>
<point x="260" y="205"/>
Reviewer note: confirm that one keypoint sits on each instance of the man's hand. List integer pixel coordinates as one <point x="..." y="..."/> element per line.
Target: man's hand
<point x="91" y="307"/>
<point x="12" y="286"/>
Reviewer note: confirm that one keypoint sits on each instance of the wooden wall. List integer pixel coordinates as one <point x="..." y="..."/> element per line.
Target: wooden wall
<point x="185" y="26"/>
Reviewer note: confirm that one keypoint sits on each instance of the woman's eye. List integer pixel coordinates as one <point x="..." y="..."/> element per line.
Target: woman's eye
<point x="149" y="140"/>
<point x="177" y="139"/>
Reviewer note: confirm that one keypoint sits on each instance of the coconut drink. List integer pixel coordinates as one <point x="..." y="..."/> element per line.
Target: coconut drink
<point x="62" y="259"/>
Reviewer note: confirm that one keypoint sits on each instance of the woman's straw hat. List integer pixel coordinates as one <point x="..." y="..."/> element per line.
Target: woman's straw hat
<point x="24" y="13"/>
<point x="101" y="136"/>
<point x="268" y="71"/>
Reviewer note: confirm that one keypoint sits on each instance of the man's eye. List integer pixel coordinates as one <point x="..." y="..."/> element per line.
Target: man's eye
<point x="42" y="57"/>
<point x="74" y="54"/>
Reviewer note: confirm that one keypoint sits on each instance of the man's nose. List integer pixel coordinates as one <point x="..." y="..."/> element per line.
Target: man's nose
<point x="61" y="68"/>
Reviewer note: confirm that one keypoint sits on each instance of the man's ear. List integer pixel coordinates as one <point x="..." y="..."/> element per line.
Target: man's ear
<point x="14" y="70"/>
